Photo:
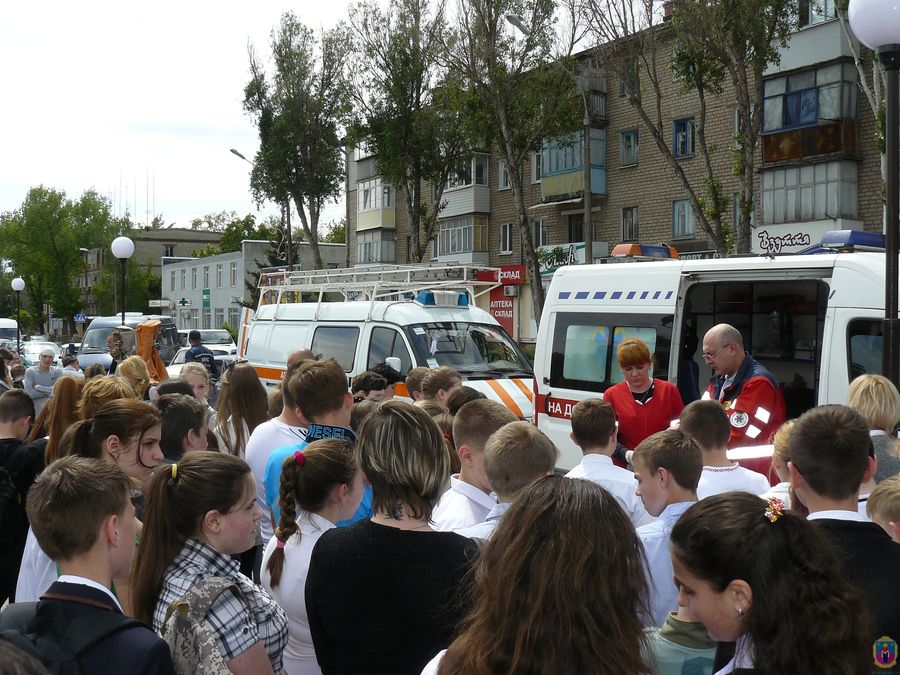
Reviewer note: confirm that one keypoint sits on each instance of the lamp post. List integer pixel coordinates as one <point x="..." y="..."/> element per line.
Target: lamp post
<point x="876" y="23"/>
<point x="285" y="216"/>
<point x="123" y="249"/>
<point x="18" y="285"/>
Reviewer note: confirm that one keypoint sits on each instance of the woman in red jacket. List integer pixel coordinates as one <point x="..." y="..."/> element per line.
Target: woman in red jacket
<point x="643" y="404"/>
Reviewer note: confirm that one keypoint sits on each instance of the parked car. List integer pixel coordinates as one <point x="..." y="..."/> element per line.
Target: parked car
<point x="93" y="345"/>
<point x="218" y="337"/>
<point x="223" y="359"/>
<point x="31" y="352"/>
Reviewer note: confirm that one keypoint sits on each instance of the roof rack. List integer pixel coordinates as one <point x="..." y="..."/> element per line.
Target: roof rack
<point x="377" y="282"/>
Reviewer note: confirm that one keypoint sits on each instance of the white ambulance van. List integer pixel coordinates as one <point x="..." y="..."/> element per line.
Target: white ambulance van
<point x="814" y="320"/>
<point x="431" y="321"/>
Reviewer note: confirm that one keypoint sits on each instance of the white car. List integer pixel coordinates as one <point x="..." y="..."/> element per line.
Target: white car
<point x="31" y="352"/>
<point x="222" y="357"/>
<point x="217" y="339"/>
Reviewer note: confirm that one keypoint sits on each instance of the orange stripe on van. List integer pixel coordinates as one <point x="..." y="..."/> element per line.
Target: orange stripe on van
<point x="269" y="373"/>
<point x="525" y="390"/>
<point x="401" y="390"/>
<point x="505" y="397"/>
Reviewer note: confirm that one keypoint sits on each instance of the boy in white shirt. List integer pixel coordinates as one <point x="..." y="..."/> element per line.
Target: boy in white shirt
<point x="667" y="467"/>
<point x="515" y="456"/>
<point x="469" y="499"/>
<point x="594" y="431"/>
<point x="707" y="423"/>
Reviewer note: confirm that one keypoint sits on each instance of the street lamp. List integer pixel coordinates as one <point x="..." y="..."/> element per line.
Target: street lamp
<point x="876" y="23"/>
<point x="18" y="285"/>
<point x="123" y="249"/>
<point x="285" y="216"/>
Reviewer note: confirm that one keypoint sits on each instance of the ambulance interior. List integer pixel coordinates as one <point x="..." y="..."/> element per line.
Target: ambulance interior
<point x="781" y="322"/>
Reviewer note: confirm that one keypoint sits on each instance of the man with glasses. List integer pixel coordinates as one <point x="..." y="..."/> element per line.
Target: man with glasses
<point x="39" y="379"/>
<point x="750" y="393"/>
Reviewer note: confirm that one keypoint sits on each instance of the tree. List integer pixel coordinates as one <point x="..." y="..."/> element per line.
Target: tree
<point x="276" y="256"/>
<point x="524" y="90"/>
<point x="706" y="43"/>
<point x="141" y="284"/>
<point x="412" y="118"/>
<point x="42" y="239"/>
<point x="299" y="110"/>
<point x="337" y="232"/>
<point x="234" y="230"/>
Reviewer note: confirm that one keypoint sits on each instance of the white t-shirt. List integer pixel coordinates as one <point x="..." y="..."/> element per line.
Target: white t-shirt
<point x="36" y="573"/>
<point x="299" y="655"/>
<point x="714" y="480"/>
<point x="431" y="667"/>
<point x="486" y="529"/>
<point x="619" y="482"/>
<point x="265" y="439"/>
<point x="463" y="505"/>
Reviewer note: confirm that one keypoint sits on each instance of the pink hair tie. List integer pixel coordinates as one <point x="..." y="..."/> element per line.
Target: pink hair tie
<point x="299" y="458"/>
<point x="279" y="543"/>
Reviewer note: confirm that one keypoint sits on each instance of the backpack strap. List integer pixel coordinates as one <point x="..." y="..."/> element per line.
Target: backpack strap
<point x="87" y="630"/>
<point x="16" y="461"/>
<point x="197" y="602"/>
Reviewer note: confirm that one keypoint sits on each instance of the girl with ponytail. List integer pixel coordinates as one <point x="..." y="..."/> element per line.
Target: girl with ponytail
<point x="320" y="486"/>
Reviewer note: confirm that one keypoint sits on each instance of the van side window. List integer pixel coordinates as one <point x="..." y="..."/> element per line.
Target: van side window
<point x="387" y="342"/>
<point x="287" y="338"/>
<point x="864" y="347"/>
<point x="585" y="344"/>
<point x="338" y="343"/>
<point x="257" y="341"/>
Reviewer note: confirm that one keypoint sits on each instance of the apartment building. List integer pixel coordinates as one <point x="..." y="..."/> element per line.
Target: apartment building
<point x="819" y="170"/>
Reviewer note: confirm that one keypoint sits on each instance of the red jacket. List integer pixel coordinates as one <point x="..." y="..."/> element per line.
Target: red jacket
<point x="637" y="421"/>
<point x="753" y="401"/>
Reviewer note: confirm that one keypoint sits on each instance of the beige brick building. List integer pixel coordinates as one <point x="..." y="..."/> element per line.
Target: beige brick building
<point x="818" y="170"/>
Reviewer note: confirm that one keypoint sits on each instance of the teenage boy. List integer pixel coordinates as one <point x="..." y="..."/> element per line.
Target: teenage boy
<point x="19" y="466"/>
<point x="469" y="500"/>
<point x="706" y="422"/>
<point x="515" y="456"/>
<point x="439" y="383"/>
<point x="39" y="379"/>
<point x="368" y="386"/>
<point x="82" y="516"/>
<point x="183" y="425"/>
<point x="392" y="376"/>
<point x="319" y="389"/>
<point x="594" y="431"/>
<point x="414" y="382"/>
<point x="884" y="506"/>
<point x="667" y="467"/>
<point x="831" y="456"/>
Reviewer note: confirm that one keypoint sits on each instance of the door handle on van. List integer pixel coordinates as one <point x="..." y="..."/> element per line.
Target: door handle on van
<point x="546" y="380"/>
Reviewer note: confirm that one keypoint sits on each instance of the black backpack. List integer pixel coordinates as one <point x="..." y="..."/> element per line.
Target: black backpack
<point x="47" y="634"/>
<point x="13" y="521"/>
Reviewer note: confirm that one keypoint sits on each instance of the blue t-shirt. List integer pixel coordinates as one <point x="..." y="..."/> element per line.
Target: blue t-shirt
<point x="272" y="478"/>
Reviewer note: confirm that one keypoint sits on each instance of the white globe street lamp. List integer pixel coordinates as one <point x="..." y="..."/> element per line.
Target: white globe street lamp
<point x="123" y="249"/>
<point x="18" y="285"/>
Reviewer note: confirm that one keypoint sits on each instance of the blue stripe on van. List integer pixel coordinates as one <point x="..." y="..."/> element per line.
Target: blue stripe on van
<point x="616" y="295"/>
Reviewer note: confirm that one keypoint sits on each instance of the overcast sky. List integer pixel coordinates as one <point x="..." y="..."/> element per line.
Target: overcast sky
<point x="140" y="101"/>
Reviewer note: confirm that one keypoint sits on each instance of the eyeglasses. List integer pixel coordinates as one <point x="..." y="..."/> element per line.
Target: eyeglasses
<point x="709" y="356"/>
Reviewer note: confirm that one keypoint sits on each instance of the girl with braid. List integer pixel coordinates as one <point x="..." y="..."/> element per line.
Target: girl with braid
<point x="320" y="486"/>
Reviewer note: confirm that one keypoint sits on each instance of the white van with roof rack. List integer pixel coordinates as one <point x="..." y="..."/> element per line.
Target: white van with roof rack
<point x="416" y="315"/>
<point x="814" y="319"/>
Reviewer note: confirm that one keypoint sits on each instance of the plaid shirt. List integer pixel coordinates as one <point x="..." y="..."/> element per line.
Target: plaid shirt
<point x="236" y="625"/>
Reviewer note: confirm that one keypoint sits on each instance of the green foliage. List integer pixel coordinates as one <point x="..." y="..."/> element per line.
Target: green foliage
<point x="42" y="239"/>
<point x="337" y="233"/>
<point x="141" y="284"/>
<point x="299" y="109"/>
<point x="233" y="331"/>
<point x="234" y="230"/>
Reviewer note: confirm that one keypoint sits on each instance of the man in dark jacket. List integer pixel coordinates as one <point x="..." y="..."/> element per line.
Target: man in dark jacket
<point x="201" y="354"/>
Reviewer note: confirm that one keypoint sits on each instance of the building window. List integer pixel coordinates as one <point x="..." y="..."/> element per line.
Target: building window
<point x="815" y="11"/>
<point x="575" y="222"/>
<point x="183" y="274"/>
<point x="376" y="246"/>
<point x="810" y="97"/>
<point x="506" y="238"/>
<point x="630" y="231"/>
<point x="206" y="276"/>
<point x="172" y="280"/>
<point x="233" y="274"/>
<point x="536" y="167"/>
<point x="169" y="250"/>
<point x="540" y="232"/>
<point x="207" y="318"/>
<point x="811" y="192"/>
<point x="195" y="319"/>
<point x="502" y="175"/>
<point x="629" y="81"/>
<point x="219" y="319"/>
<point x="472" y="171"/>
<point x="374" y="194"/>
<point x="683" y="137"/>
<point x="629" y="148"/>
<point x="565" y="154"/>
<point x="193" y="278"/>
<point x="463" y="234"/>
<point x="219" y="275"/>
<point x="682" y="219"/>
<point x="234" y="317"/>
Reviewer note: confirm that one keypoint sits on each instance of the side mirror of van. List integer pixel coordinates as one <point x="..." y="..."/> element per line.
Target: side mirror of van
<point x="393" y="362"/>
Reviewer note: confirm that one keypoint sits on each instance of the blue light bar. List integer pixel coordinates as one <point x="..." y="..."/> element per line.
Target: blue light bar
<point x="853" y="239"/>
<point x="425" y="298"/>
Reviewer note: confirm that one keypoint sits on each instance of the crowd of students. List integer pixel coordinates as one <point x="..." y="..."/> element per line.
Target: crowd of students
<point x="355" y="532"/>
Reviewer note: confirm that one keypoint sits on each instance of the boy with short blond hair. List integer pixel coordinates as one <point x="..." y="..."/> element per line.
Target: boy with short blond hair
<point x="515" y="455"/>
<point x="883" y="506"/>
<point x="594" y="431"/>
<point x="438" y="384"/>
<point x="469" y="501"/>
<point x="667" y="467"/>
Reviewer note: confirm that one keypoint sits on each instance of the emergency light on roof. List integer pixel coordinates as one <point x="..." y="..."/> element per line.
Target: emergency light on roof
<point x="660" y="251"/>
<point x="853" y="239"/>
<point x="442" y="299"/>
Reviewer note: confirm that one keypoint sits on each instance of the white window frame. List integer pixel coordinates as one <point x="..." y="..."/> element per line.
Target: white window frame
<point x="183" y="279"/>
<point x="172" y="280"/>
<point x="193" y="278"/>
<point x="219" y="275"/>
<point x="631" y="224"/>
<point x="206" y="276"/>
<point x="686" y="134"/>
<point x="682" y="219"/>
<point x="462" y="234"/>
<point x="502" y="175"/>
<point x="540" y="232"/>
<point x="233" y="274"/>
<point x="506" y="238"/>
<point x="811" y="192"/>
<point x="624" y="159"/>
<point x="536" y="166"/>
<point x="374" y="194"/>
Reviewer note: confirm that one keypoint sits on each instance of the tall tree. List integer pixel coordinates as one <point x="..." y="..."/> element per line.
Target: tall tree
<point x="409" y="104"/>
<point x="42" y="239"/>
<point x="234" y="231"/>
<point x="299" y="110"/>
<point x="141" y="284"/>
<point x="525" y="86"/>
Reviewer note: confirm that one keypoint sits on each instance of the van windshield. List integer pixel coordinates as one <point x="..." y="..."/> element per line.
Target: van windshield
<point x="471" y="348"/>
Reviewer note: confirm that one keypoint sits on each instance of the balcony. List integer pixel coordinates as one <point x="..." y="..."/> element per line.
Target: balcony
<point x="563" y="166"/>
<point x="824" y="139"/>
